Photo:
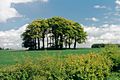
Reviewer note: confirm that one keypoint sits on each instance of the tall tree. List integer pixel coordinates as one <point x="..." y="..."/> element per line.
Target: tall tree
<point x="33" y="31"/>
<point x="58" y="25"/>
<point x="28" y="41"/>
<point x="79" y="35"/>
<point x="44" y="30"/>
<point x="36" y="31"/>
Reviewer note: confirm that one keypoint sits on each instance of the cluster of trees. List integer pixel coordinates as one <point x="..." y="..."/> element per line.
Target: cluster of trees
<point x="4" y="48"/>
<point x="57" y="32"/>
<point x="103" y="45"/>
<point x="1" y="48"/>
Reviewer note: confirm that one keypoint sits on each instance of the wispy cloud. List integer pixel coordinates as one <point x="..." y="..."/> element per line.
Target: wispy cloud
<point x="94" y="19"/>
<point x="99" y="7"/>
<point x="26" y="1"/>
<point x="112" y="15"/>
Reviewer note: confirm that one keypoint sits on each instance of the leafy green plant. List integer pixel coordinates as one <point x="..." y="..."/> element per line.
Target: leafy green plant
<point x="88" y="67"/>
<point x="72" y="67"/>
<point x="112" y="52"/>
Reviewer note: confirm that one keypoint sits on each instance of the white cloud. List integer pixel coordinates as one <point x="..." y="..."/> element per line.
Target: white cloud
<point x="104" y="34"/>
<point x="8" y="12"/>
<point x="117" y="2"/>
<point x="12" y="38"/>
<point x="94" y="19"/>
<point x="26" y="1"/>
<point x="99" y="7"/>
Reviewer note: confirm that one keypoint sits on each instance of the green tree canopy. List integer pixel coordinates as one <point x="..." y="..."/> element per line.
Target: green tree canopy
<point x="58" y="32"/>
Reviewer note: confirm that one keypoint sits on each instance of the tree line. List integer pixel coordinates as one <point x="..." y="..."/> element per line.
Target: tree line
<point x="102" y="45"/>
<point x="53" y="33"/>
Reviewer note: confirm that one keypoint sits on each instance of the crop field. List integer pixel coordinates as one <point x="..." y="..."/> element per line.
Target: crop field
<point x="8" y="57"/>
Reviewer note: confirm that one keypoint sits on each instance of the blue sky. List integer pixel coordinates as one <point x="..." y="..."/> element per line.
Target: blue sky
<point x="87" y="12"/>
<point x="100" y="18"/>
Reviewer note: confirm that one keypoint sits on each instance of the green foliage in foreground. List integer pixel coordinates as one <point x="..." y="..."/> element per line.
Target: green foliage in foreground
<point x="72" y="67"/>
<point x="104" y="65"/>
<point x="113" y="52"/>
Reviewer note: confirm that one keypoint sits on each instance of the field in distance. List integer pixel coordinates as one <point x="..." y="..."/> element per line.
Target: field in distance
<point x="9" y="57"/>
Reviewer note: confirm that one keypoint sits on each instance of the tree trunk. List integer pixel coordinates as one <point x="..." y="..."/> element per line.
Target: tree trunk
<point x="69" y="43"/>
<point x="75" y="43"/>
<point x="47" y="41"/>
<point x="56" y="41"/>
<point x="50" y="41"/>
<point x="43" y="41"/>
<point x="35" y="44"/>
<point x="65" y="43"/>
<point x="38" y="43"/>
<point x="61" y="41"/>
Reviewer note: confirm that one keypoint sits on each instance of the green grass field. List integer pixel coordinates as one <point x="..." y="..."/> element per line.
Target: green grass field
<point x="8" y="57"/>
